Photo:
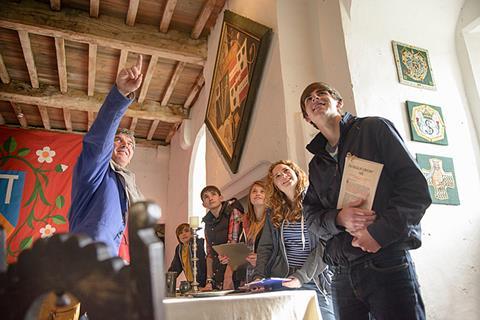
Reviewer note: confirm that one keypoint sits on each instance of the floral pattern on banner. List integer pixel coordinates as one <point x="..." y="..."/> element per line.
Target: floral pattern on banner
<point x="47" y="159"/>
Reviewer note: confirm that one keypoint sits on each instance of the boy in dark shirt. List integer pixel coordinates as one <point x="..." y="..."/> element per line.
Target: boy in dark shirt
<point x="222" y="225"/>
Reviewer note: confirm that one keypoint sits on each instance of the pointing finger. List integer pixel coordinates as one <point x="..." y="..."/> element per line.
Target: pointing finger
<point x="139" y="62"/>
<point x="135" y="71"/>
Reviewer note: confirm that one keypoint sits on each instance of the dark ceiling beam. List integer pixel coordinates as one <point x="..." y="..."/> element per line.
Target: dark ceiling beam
<point x="138" y="141"/>
<point x="167" y="15"/>
<point x="61" y="64"/>
<point x="94" y="8"/>
<point x="3" y="71"/>
<point x="50" y="96"/>
<point x="45" y="118"/>
<point x="195" y="90"/>
<point x="152" y="65"/>
<point x="55" y="5"/>
<point x="92" y="68"/>
<point x="173" y="82"/>
<point x="28" y="56"/>
<point x="132" y="12"/>
<point x="19" y="113"/>
<point x="203" y="18"/>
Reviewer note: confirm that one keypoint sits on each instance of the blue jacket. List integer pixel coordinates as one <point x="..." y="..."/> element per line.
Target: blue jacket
<point x="400" y="201"/>
<point x="99" y="201"/>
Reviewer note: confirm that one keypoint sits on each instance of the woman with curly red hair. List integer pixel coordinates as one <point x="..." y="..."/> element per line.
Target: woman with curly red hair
<point x="287" y="248"/>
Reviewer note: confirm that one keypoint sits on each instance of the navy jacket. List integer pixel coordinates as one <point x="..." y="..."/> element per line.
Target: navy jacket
<point x="216" y="232"/>
<point x="400" y="201"/>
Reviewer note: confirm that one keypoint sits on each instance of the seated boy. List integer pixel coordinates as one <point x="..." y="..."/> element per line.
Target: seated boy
<point x="222" y="225"/>
<point x="183" y="259"/>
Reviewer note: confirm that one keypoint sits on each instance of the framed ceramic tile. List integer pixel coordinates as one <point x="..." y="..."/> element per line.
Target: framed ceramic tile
<point x="440" y="175"/>
<point x="413" y="66"/>
<point x="426" y="123"/>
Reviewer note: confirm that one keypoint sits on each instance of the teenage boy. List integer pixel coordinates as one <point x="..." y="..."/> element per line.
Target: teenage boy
<point x="222" y="225"/>
<point x="367" y="250"/>
<point x="183" y="259"/>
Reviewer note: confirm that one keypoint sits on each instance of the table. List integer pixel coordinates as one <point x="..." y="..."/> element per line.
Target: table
<point x="290" y="304"/>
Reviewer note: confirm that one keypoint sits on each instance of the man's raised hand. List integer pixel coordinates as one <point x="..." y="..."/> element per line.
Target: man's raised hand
<point x="130" y="79"/>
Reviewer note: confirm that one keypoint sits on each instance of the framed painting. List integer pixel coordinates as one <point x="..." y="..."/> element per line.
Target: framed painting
<point x="426" y="123"/>
<point x="440" y="175"/>
<point x="413" y="66"/>
<point x="241" y="54"/>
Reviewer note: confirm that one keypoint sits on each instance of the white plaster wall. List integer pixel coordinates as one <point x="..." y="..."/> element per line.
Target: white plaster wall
<point x="179" y="193"/>
<point x="328" y="43"/>
<point x="312" y="49"/>
<point x="468" y="51"/>
<point x="299" y="68"/>
<point x="448" y="263"/>
<point x="150" y="166"/>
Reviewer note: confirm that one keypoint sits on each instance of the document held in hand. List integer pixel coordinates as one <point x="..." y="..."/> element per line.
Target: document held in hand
<point x="359" y="181"/>
<point x="236" y="252"/>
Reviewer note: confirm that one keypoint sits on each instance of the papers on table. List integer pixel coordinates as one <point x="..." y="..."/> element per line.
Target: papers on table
<point x="268" y="282"/>
<point x="208" y="294"/>
<point x="359" y="181"/>
<point x="236" y="252"/>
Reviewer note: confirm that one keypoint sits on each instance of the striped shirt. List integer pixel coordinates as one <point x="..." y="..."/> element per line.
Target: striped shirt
<point x="294" y="247"/>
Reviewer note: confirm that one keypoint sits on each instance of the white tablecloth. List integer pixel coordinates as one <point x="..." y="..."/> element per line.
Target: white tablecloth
<point x="294" y="304"/>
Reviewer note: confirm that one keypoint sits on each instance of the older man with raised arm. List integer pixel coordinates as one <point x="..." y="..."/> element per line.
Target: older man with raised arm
<point x="102" y="186"/>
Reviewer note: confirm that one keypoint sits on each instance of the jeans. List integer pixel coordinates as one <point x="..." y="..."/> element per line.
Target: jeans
<point x="324" y="301"/>
<point x="382" y="287"/>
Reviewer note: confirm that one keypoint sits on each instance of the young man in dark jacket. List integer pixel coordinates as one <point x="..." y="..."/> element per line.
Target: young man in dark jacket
<point x="222" y="225"/>
<point x="367" y="249"/>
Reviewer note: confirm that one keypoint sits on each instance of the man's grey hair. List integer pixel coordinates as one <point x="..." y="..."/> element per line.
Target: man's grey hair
<point x="127" y="132"/>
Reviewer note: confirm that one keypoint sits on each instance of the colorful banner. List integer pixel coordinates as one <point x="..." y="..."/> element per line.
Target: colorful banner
<point x="11" y="190"/>
<point x="35" y="182"/>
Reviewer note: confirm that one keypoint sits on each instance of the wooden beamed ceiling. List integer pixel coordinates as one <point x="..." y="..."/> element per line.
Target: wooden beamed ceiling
<point x="66" y="55"/>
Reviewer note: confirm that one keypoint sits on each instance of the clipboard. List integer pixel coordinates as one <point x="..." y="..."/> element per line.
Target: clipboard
<point x="236" y="252"/>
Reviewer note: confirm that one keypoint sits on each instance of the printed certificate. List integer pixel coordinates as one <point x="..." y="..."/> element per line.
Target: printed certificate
<point x="359" y="181"/>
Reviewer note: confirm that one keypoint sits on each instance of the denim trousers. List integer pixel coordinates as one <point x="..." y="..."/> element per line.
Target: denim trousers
<point x="382" y="287"/>
<point x="324" y="301"/>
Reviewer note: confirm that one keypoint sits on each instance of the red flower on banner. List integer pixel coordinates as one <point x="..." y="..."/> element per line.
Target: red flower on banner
<point x="44" y="197"/>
